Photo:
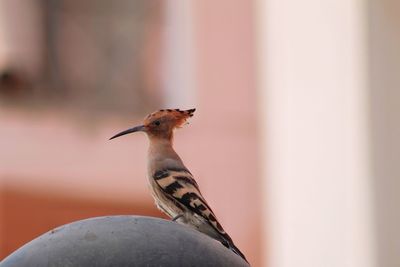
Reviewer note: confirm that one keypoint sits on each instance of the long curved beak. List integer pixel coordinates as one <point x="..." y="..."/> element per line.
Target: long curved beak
<point x="139" y="128"/>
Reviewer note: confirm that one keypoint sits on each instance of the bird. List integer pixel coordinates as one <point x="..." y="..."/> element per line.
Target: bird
<point x="173" y="187"/>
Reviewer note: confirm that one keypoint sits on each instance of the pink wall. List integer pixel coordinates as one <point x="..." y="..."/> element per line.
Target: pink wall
<point x="68" y="154"/>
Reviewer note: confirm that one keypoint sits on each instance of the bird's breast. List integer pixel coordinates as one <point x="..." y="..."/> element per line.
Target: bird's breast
<point x="162" y="202"/>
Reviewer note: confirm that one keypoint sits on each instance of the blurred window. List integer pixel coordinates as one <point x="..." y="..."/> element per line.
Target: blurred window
<point x="96" y="55"/>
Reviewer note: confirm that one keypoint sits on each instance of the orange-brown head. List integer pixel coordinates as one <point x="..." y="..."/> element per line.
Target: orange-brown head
<point x="161" y="123"/>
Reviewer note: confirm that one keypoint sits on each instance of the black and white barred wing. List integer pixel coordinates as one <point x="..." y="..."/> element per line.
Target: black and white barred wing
<point x="180" y="186"/>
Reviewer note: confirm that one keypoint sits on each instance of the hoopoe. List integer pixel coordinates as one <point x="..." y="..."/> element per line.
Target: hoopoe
<point x="173" y="187"/>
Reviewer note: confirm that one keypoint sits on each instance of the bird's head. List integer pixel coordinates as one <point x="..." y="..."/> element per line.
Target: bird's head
<point x="161" y="124"/>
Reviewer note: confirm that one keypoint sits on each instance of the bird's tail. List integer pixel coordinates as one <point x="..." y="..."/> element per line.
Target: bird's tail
<point x="227" y="242"/>
<point x="237" y="251"/>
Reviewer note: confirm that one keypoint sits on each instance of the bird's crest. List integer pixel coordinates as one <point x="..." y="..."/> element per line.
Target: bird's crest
<point x="176" y="117"/>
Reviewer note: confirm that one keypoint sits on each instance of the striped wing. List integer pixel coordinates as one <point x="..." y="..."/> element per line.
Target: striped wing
<point x="180" y="185"/>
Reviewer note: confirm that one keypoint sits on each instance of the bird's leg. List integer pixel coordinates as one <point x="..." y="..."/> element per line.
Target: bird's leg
<point x="177" y="217"/>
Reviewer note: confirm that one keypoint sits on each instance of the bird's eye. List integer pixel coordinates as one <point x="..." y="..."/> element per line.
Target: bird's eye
<point x="157" y="123"/>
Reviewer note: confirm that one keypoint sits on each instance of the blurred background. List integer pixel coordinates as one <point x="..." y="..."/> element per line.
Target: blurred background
<point x="294" y="142"/>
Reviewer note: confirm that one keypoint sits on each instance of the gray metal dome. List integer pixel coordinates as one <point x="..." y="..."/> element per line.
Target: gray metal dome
<point x="122" y="241"/>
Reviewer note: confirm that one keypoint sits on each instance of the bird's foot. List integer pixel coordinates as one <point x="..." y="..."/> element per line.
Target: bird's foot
<point x="177" y="217"/>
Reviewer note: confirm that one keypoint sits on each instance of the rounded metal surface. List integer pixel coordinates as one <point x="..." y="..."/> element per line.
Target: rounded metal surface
<point x="123" y="241"/>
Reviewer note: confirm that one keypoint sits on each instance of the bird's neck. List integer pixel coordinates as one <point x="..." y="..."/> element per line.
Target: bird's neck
<point x="161" y="147"/>
<point x="161" y="155"/>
